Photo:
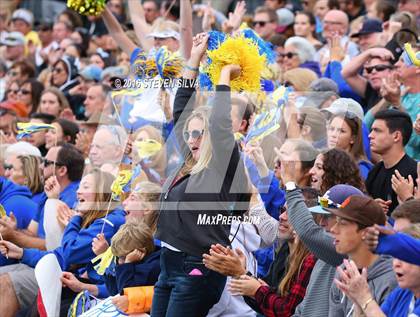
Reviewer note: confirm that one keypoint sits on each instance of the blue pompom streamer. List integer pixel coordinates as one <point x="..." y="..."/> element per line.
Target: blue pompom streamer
<point x="264" y="48"/>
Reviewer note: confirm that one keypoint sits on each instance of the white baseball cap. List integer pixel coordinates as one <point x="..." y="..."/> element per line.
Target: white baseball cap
<point x="13" y="39"/>
<point x="345" y="105"/>
<point x="163" y="34"/>
<point x="23" y="14"/>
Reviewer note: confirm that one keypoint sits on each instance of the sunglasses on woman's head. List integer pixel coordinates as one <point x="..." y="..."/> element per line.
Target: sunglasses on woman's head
<point x="195" y="134"/>
<point x="378" y="68"/>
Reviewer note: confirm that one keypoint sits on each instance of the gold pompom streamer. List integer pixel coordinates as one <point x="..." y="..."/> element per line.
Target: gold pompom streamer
<point x="238" y="51"/>
<point x="105" y="259"/>
<point x="87" y="7"/>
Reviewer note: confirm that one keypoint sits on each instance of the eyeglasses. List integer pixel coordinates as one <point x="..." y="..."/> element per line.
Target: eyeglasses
<point x="24" y="91"/>
<point x="15" y="91"/>
<point x="7" y="166"/>
<point x="378" y="68"/>
<point x="332" y="23"/>
<point x="195" y="134"/>
<point x="260" y="23"/>
<point x="289" y="55"/>
<point x="48" y="163"/>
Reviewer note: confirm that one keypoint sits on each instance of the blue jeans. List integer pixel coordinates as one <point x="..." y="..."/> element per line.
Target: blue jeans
<point x="177" y="293"/>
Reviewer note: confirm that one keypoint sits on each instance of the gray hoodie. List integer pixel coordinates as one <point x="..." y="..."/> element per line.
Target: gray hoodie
<point x="381" y="280"/>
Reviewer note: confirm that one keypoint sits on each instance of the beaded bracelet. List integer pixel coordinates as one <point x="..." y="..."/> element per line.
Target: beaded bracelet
<point x="194" y="69"/>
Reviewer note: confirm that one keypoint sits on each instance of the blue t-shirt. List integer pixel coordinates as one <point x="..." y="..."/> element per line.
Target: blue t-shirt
<point x="16" y="199"/>
<point x="38" y="198"/>
<point x="68" y="196"/>
<point x="397" y="304"/>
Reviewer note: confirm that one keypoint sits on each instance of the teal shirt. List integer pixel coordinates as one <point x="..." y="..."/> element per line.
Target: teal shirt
<point x="411" y="104"/>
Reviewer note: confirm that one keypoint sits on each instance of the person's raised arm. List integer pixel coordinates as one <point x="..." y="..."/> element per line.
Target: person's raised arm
<point x="183" y="103"/>
<point x="350" y="71"/>
<point x="117" y="32"/>
<point x="186" y="28"/>
<point x="315" y="238"/>
<point x="351" y="74"/>
<point x="141" y="27"/>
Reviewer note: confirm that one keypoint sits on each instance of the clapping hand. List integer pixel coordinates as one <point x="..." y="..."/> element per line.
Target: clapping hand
<point x="64" y="214"/>
<point x="245" y="285"/>
<point x="255" y="153"/>
<point x="225" y="261"/>
<point x="391" y="89"/>
<point x="337" y="52"/>
<point x="52" y="187"/>
<point x="403" y="187"/>
<point x="353" y="283"/>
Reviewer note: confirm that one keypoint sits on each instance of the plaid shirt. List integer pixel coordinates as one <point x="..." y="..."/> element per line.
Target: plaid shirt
<point x="274" y="305"/>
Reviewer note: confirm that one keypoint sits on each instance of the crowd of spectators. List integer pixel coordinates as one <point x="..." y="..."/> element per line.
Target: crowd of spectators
<point x="332" y="194"/>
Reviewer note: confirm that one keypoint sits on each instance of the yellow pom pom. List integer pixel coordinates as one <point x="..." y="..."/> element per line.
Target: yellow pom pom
<point x="87" y="7"/>
<point x="239" y="51"/>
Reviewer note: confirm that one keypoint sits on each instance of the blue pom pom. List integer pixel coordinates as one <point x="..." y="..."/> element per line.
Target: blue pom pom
<point x="267" y="85"/>
<point x="215" y="39"/>
<point x="264" y="48"/>
<point x="205" y="82"/>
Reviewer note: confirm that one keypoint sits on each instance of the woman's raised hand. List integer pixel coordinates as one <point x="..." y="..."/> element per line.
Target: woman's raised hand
<point x="199" y="48"/>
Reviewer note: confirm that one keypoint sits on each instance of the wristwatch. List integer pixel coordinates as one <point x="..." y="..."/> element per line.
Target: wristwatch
<point x="290" y="186"/>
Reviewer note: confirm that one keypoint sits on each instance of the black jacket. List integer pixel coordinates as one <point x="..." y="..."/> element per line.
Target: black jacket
<point x="220" y="190"/>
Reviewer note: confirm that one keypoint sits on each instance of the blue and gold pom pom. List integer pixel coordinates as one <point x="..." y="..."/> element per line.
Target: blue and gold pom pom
<point x="240" y="51"/>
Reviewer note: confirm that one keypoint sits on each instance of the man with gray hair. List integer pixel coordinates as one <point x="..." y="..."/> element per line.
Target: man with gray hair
<point x="107" y="148"/>
<point x="95" y="99"/>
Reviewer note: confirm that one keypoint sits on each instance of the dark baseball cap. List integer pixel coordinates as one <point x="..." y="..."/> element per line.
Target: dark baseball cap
<point x="361" y="209"/>
<point x="369" y="26"/>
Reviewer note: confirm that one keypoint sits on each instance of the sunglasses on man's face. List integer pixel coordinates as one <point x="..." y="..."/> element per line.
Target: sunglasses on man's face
<point x="195" y="134"/>
<point x="377" y="68"/>
<point x="260" y="23"/>
<point x="48" y="163"/>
